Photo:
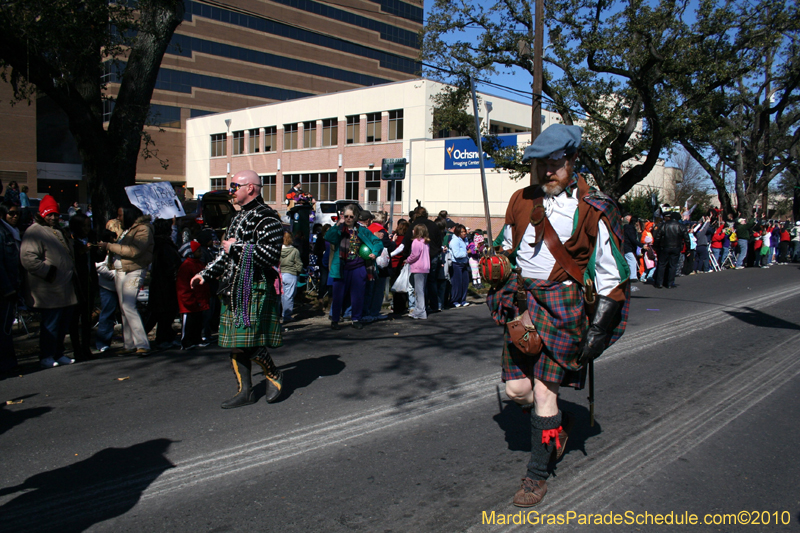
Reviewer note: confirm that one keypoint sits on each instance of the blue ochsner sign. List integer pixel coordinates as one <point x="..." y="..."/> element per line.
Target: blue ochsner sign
<point x="462" y="153"/>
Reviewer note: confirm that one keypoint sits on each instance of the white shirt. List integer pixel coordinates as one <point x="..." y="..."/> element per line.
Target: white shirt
<point x="537" y="262"/>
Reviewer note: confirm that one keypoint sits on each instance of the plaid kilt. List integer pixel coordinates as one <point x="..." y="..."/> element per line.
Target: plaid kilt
<point x="558" y="312"/>
<point x="265" y="329"/>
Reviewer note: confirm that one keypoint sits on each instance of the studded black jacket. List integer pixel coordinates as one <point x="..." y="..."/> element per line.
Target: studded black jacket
<point x="256" y="224"/>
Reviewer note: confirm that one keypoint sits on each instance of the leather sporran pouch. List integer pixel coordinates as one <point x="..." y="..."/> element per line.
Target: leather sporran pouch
<point x="521" y="330"/>
<point x="523" y="334"/>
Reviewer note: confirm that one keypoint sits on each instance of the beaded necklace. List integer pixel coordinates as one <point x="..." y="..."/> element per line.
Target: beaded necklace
<point x="243" y="286"/>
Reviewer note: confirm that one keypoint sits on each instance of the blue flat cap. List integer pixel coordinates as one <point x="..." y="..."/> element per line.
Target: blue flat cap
<point x="557" y="140"/>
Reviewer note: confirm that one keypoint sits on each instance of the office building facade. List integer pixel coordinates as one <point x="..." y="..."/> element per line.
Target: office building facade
<point x="244" y="53"/>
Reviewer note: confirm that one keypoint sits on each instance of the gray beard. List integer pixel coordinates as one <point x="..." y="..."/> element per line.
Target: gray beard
<point x="552" y="189"/>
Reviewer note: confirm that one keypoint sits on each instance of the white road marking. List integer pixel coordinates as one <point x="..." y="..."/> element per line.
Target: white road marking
<point x="652" y="444"/>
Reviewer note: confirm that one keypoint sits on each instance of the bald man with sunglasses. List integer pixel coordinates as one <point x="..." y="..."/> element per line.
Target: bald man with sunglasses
<point x="248" y="272"/>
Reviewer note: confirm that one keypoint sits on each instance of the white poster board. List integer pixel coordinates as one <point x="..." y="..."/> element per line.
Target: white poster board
<point x="156" y="199"/>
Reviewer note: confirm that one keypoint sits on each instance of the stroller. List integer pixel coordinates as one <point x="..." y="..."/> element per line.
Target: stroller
<point x="310" y="277"/>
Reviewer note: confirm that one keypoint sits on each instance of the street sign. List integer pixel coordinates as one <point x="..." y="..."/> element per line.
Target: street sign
<point x="393" y="169"/>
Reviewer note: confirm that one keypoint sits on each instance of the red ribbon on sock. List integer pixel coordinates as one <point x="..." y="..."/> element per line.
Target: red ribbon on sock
<point x="548" y="434"/>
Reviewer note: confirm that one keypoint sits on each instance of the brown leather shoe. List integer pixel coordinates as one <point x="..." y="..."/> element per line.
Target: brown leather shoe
<point x="566" y="426"/>
<point x="530" y="493"/>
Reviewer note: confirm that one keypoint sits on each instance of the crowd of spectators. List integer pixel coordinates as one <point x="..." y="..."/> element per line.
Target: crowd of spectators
<point x="671" y="245"/>
<point x="82" y="281"/>
<point x="426" y="264"/>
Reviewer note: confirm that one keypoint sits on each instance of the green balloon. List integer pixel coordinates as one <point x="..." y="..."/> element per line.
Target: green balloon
<point x="364" y="251"/>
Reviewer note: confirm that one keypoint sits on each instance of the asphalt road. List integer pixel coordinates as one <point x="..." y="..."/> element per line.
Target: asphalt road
<point x="402" y="426"/>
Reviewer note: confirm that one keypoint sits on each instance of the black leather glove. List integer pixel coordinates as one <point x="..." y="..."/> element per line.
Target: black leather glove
<point x="594" y="341"/>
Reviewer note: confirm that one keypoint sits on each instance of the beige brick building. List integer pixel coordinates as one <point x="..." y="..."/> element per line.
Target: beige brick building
<point x="334" y="145"/>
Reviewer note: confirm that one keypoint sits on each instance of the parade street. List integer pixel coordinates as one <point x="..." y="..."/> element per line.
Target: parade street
<point x="404" y="426"/>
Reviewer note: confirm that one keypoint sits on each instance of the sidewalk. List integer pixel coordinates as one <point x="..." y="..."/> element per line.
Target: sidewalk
<point x="307" y="313"/>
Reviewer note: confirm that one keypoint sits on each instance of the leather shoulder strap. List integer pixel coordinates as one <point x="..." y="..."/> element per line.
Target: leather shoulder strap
<point x="560" y="253"/>
<point x="539" y="219"/>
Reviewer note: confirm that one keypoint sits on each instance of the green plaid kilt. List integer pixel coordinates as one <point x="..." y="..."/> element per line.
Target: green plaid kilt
<point x="265" y="328"/>
<point x="557" y="310"/>
<point x="517" y="365"/>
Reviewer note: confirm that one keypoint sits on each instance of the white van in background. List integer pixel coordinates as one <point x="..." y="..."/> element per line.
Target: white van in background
<point x="329" y="212"/>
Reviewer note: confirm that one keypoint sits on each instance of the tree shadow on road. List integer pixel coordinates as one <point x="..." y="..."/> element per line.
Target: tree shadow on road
<point x="754" y="317"/>
<point x="517" y="426"/>
<point x="12" y="415"/>
<point x="408" y="351"/>
<point x="301" y="374"/>
<point x="75" y="497"/>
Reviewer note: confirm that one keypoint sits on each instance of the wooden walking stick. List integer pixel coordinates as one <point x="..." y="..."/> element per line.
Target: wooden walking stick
<point x="495" y="269"/>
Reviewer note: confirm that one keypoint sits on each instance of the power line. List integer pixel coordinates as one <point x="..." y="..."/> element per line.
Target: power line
<point x="521" y="92"/>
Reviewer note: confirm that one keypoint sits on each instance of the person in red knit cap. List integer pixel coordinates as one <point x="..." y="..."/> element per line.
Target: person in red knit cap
<point x="46" y="254"/>
<point x="192" y="302"/>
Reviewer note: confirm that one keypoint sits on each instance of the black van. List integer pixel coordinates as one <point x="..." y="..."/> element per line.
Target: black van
<point x="214" y="208"/>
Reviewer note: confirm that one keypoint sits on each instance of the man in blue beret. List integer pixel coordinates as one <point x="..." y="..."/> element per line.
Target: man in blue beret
<point x="565" y="240"/>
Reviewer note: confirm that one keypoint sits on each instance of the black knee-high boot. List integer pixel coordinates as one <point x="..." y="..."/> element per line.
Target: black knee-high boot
<point x="544" y="432"/>
<point x="242" y="369"/>
<point x="272" y="374"/>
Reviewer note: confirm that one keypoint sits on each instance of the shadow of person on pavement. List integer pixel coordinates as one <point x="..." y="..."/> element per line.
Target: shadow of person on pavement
<point x="754" y="317"/>
<point x="75" y="497"/>
<point x="517" y="425"/>
<point x="301" y="374"/>
<point x="15" y="414"/>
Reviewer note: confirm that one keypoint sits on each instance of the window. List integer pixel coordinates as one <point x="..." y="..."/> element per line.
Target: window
<point x="373" y="179"/>
<point x="269" y="188"/>
<point x="353" y="129"/>
<point x="330" y="132"/>
<point x="253" y="146"/>
<point x="309" y="134"/>
<point x="395" y="124"/>
<point x="288" y="182"/>
<point x="372" y="190"/>
<point x="218" y="184"/>
<point x="351" y="185"/>
<point x="270" y="136"/>
<point x="373" y="127"/>
<point x="164" y="116"/>
<point x="327" y="186"/>
<point x="494" y="129"/>
<point x="108" y="109"/>
<point x="199" y="113"/>
<point x="290" y="136"/>
<point x="238" y="142"/>
<point x="321" y="186"/>
<point x="219" y="145"/>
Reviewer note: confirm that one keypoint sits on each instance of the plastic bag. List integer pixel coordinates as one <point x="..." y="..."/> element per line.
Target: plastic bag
<point x="402" y="282"/>
<point x="383" y="260"/>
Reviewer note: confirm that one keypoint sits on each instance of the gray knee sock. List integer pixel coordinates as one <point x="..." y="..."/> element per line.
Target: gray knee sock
<point x="540" y="452"/>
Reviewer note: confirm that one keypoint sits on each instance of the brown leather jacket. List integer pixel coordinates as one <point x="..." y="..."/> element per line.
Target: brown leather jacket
<point x="136" y="247"/>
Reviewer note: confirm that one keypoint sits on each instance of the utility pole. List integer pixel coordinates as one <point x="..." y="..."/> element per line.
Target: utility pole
<point x="536" y="108"/>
